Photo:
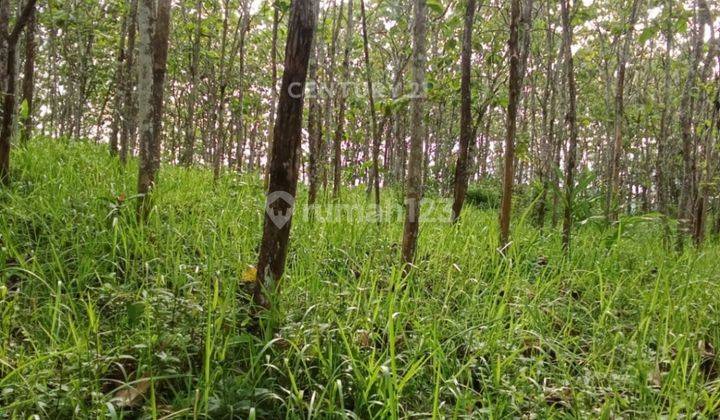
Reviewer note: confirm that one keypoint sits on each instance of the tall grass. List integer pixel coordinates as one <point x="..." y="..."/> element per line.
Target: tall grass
<point x="101" y="317"/>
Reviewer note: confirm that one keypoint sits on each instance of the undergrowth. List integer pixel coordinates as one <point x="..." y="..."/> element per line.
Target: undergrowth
<point x="102" y="317"/>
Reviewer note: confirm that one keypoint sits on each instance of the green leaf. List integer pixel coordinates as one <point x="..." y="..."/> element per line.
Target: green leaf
<point x="24" y="109"/>
<point x="435" y="6"/>
<point x="135" y="311"/>
<point x="647" y="33"/>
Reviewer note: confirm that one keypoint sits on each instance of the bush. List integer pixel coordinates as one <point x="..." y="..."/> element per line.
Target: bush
<point x="485" y="194"/>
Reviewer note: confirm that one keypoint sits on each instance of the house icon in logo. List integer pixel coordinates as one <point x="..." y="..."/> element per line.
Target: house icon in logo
<point x="279" y="206"/>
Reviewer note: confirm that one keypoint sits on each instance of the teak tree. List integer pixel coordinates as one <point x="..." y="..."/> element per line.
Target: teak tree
<point x="466" y="129"/>
<point x="511" y="123"/>
<point x="154" y="30"/>
<point x="285" y="159"/>
<point x="413" y="187"/>
<point x="8" y="80"/>
<point x="571" y="121"/>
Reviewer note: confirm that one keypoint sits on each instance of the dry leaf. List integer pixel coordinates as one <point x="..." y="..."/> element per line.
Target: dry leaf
<point x="132" y="395"/>
<point x="363" y="339"/>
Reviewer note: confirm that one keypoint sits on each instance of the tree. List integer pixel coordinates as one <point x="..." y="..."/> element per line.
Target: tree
<point x="342" y="102"/>
<point x="314" y="122"/>
<point x="515" y="82"/>
<point x="129" y="114"/>
<point x="188" y="152"/>
<point x="273" y="89"/>
<point x="375" y="182"/>
<point x="28" y="85"/>
<point x="466" y="129"/>
<point x="571" y="121"/>
<point x="611" y="202"/>
<point x="7" y="62"/>
<point x="285" y="161"/>
<point x="154" y="30"/>
<point x="414" y="177"/>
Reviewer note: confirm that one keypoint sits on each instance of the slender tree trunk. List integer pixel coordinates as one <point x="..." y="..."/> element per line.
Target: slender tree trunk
<point x="342" y="100"/>
<point x="662" y="160"/>
<point x="241" y="81"/>
<point x="461" y="172"/>
<point x="511" y="123"/>
<point x="687" y="102"/>
<point x="189" y="144"/>
<point x="611" y="202"/>
<point x="219" y="131"/>
<point x="572" y="124"/>
<point x="273" y="92"/>
<point x="373" y="115"/>
<point x="7" y="85"/>
<point x="129" y="120"/>
<point x="548" y="106"/>
<point x="314" y="122"/>
<point x="285" y="162"/>
<point x="117" y="97"/>
<point x="414" y="177"/>
<point x="28" y="85"/>
<point x="154" y="29"/>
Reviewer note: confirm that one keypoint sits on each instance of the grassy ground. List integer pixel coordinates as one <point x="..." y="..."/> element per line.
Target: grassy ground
<point x="103" y="318"/>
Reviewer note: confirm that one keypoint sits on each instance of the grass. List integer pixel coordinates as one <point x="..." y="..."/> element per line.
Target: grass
<point x="101" y="317"/>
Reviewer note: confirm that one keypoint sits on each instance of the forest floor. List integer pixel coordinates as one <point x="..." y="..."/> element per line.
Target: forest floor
<point x="101" y="317"/>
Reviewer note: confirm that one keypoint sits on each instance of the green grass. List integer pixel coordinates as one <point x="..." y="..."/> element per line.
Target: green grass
<point x="93" y="304"/>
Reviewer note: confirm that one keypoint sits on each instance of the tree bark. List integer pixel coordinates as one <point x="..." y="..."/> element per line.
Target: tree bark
<point x="314" y="122"/>
<point x="572" y="124"/>
<point x="28" y="86"/>
<point x="189" y="142"/>
<point x="511" y="123"/>
<point x="611" y="202"/>
<point x="414" y="176"/>
<point x="461" y="170"/>
<point x="375" y="182"/>
<point x="129" y="120"/>
<point x="117" y="100"/>
<point x="342" y="101"/>
<point x="285" y="162"/>
<point x="10" y="39"/>
<point x="154" y="29"/>
<point x="273" y="92"/>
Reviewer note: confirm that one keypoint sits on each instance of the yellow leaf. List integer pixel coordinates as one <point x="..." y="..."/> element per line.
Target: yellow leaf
<point x="249" y="275"/>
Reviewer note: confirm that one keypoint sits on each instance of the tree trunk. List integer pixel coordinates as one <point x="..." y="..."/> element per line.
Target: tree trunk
<point x="375" y="182"/>
<point x="8" y="83"/>
<point x="285" y="162"/>
<point x="189" y="144"/>
<point x="129" y="120"/>
<point x="687" y="103"/>
<point x="273" y="92"/>
<point x="511" y="126"/>
<point x="414" y="176"/>
<point x="314" y="122"/>
<point x="219" y="130"/>
<point x="154" y="29"/>
<point x="571" y="122"/>
<point x="28" y="86"/>
<point x="611" y="201"/>
<point x="342" y="99"/>
<point x="461" y="172"/>
<point x="117" y="100"/>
